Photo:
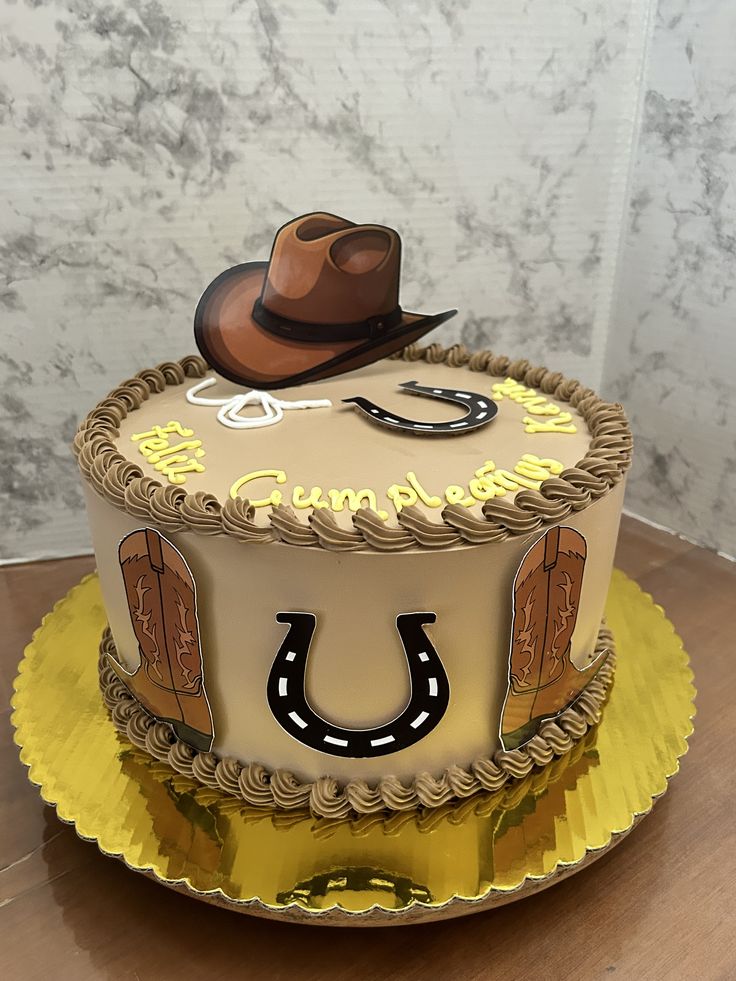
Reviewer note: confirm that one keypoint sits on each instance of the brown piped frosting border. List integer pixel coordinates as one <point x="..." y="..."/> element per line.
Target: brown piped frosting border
<point x="258" y="786"/>
<point x="173" y="509"/>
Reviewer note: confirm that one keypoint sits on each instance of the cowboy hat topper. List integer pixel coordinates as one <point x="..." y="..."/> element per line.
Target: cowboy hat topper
<point x="326" y="302"/>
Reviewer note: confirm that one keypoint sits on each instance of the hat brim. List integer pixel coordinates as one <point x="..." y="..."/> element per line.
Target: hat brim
<point x="242" y="351"/>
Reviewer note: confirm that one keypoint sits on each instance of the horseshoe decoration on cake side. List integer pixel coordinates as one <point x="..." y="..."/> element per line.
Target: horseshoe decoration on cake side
<point x="479" y="411"/>
<point x="428" y="701"/>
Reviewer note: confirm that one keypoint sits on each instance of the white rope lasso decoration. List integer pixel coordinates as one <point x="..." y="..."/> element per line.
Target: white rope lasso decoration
<point x="230" y="408"/>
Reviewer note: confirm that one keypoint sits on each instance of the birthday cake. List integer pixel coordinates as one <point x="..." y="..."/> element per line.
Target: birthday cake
<point x="344" y="571"/>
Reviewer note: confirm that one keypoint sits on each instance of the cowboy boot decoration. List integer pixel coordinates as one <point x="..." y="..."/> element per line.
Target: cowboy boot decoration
<point x="543" y="681"/>
<point x="430" y="693"/>
<point x="161" y="596"/>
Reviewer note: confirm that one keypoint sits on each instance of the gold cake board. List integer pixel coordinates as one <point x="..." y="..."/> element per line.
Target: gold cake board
<point x="376" y="870"/>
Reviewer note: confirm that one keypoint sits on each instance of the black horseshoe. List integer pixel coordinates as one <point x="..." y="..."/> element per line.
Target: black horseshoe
<point x="480" y="411"/>
<point x="430" y="693"/>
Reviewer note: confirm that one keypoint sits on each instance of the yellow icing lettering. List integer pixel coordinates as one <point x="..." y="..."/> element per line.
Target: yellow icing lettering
<point x="505" y="479"/>
<point x="537" y="404"/>
<point x="557" y="424"/>
<point x="484" y="489"/>
<point x="166" y="464"/>
<point x="275" y="497"/>
<point x="529" y="472"/>
<point x="314" y="500"/>
<point x="489" y="482"/>
<point x="454" y="494"/>
<point x="175" y="474"/>
<point x="161" y="432"/>
<point x="176" y="427"/>
<point x="488" y="467"/>
<point x="532" y="483"/>
<point x="176" y="461"/>
<point x="509" y="387"/>
<point x="354" y="500"/>
<point x="190" y="444"/>
<point x="401" y="496"/>
<point x="531" y="466"/>
<point x="431" y="500"/>
<point x="152" y="444"/>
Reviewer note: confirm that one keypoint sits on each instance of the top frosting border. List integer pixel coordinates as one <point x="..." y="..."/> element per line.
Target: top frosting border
<point x="173" y="509"/>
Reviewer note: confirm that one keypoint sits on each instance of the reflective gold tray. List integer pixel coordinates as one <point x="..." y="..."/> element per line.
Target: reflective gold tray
<point x="401" y="868"/>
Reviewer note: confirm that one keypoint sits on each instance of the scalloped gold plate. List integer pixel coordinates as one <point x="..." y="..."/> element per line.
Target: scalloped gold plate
<point x="400" y="868"/>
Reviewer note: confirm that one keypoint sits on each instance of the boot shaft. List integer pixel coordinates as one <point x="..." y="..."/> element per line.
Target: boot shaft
<point x="161" y="598"/>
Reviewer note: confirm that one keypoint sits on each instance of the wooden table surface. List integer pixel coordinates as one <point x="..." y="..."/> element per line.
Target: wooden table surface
<point x="660" y="905"/>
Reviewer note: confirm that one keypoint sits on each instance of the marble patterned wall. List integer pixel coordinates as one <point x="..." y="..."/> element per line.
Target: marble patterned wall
<point x="145" y="145"/>
<point x="671" y="355"/>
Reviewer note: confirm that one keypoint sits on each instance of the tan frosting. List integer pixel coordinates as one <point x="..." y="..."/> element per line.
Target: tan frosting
<point x="328" y="797"/>
<point x="595" y="458"/>
<point x="356" y="675"/>
<point x="355" y="571"/>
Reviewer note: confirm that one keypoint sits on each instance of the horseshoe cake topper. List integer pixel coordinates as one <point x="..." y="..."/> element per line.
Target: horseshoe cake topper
<point x="428" y="701"/>
<point x="480" y="410"/>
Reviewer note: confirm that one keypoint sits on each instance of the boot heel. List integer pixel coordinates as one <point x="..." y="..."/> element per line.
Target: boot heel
<point x="192" y="737"/>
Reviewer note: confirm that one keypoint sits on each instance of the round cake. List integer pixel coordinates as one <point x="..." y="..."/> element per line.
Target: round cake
<point x="378" y="590"/>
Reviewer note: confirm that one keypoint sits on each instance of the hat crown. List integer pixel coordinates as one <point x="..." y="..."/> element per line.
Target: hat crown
<point x="325" y="269"/>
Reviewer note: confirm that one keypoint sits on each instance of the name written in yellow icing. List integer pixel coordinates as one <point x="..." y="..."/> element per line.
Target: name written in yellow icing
<point x="557" y="421"/>
<point x="173" y="459"/>
<point x="487" y="482"/>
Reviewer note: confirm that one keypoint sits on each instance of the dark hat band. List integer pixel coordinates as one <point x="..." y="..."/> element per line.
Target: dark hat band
<point x="296" y="330"/>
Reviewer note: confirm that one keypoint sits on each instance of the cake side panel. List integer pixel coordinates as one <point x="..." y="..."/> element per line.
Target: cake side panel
<point x="108" y="526"/>
<point x="356" y="674"/>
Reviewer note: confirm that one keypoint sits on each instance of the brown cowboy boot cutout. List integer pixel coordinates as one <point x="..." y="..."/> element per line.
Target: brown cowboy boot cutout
<point x="161" y="600"/>
<point x="543" y="681"/>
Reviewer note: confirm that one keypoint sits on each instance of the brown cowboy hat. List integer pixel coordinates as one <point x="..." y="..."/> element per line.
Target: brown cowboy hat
<point x="326" y="302"/>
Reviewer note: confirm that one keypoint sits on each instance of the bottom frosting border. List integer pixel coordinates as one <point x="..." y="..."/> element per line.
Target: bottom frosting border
<point x="258" y="786"/>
